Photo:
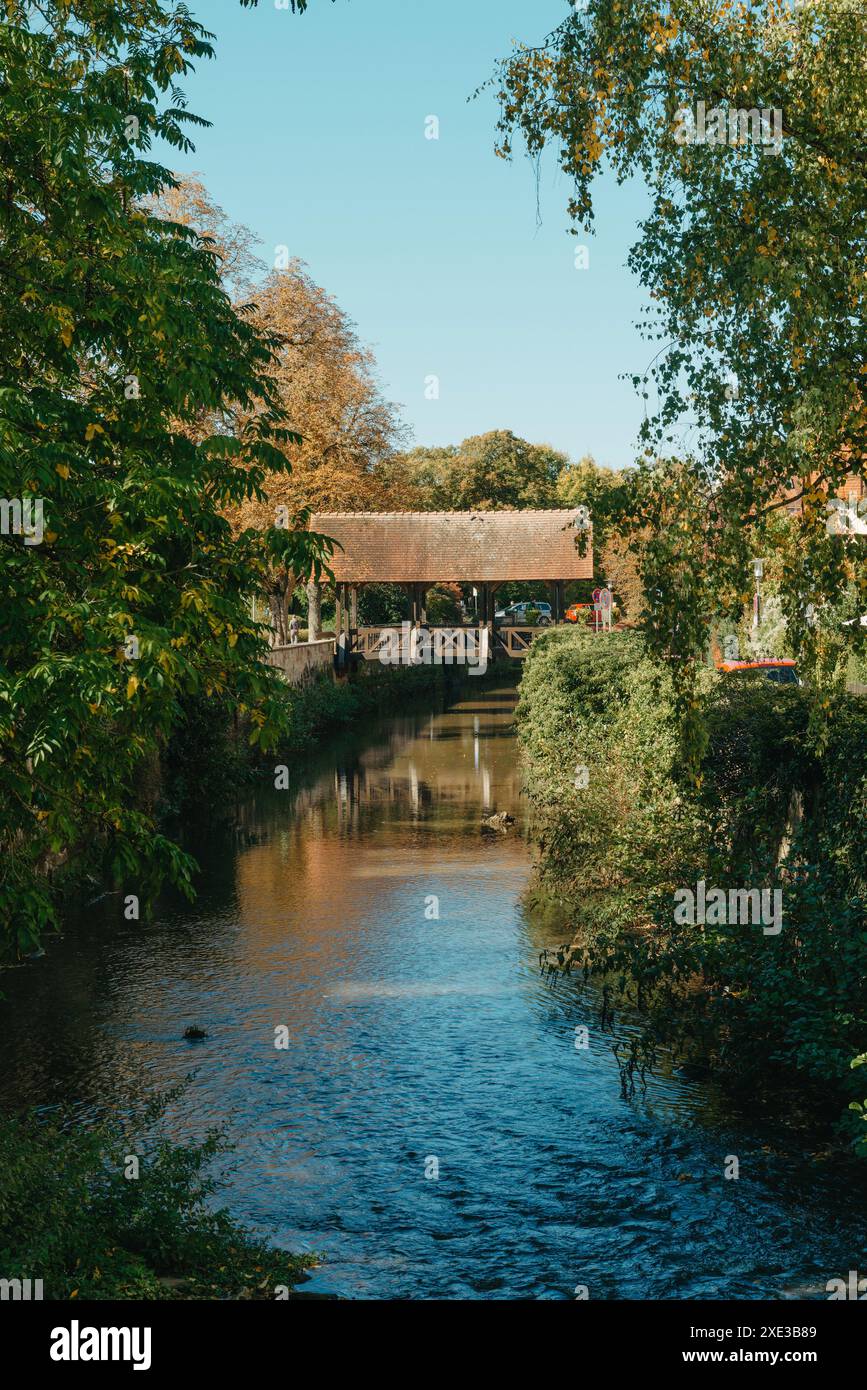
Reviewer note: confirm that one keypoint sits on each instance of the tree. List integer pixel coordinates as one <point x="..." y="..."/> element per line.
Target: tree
<point x="497" y="469"/>
<point x="744" y="120"/>
<point x="323" y="376"/>
<point x="325" y="381"/>
<point x="117" y="341"/>
<point x="615" y="560"/>
<point x="581" y="483"/>
<point x="186" y="200"/>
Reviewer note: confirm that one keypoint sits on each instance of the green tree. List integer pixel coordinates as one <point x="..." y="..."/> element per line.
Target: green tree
<point x="753" y="258"/>
<point x="497" y="469"/>
<point x="122" y="360"/>
<point x="582" y="483"/>
<point x="604" y="493"/>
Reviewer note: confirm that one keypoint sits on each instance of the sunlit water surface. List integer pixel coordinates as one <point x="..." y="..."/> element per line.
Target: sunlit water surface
<point x="412" y="1038"/>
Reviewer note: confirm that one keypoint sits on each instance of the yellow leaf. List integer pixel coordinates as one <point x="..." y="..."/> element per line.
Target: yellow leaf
<point x="131" y="687"/>
<point x="66" y="335"/>
<point x="63" y="470"/>
<point x="91" y="431"/>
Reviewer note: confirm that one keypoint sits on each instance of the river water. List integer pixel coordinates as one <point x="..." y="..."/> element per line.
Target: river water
<point x="430" y="1127"/>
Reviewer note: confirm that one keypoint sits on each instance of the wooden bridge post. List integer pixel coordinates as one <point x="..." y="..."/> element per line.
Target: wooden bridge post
<point x="486" y="612"/>
<point x="417" y="602"/>
<point x="557" y="600"/>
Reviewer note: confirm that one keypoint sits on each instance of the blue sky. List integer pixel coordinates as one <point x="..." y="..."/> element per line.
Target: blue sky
<point x="432" y="246"/>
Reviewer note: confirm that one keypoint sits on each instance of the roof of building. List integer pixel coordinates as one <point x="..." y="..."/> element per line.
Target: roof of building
<point x="477" y="546"/>
<point x="852" y="490"/>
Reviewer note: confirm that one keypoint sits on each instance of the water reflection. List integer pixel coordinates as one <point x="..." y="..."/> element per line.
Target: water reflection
<point x="367" y="912"/>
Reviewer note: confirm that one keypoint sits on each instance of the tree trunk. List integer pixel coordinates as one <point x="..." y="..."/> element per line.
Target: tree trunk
<point x="280" y="590"/>
<point x="314" y="611"/>
<point x="277" y="606"/>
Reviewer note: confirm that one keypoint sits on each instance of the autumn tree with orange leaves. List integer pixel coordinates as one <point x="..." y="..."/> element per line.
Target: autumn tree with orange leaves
<point x="322" y="375"/>
<point x="325" y="380"/>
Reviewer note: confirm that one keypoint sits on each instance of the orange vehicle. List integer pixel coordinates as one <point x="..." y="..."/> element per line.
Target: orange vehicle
<point x="579" y="613"/>
<point x="782" y="670"/>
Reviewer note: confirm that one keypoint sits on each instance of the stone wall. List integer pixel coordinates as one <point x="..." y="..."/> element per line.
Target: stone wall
<point x="303" y="661"/>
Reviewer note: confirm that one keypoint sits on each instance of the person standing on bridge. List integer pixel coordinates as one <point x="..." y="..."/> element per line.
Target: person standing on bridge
<point x="294" y="627"/>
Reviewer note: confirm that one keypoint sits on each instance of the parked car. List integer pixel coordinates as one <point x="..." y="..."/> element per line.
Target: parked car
<point x="516" y="614"/>
<point x="782" y="670"/>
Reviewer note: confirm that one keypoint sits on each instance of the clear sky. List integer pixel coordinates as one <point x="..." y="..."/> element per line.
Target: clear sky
<point x="432" y="246"/>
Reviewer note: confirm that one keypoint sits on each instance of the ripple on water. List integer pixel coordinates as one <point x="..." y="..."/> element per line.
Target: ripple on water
<point x="416" y="1039"/>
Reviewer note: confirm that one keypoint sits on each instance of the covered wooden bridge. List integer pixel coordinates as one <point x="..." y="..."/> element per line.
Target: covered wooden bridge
<point x="482" y="548"/>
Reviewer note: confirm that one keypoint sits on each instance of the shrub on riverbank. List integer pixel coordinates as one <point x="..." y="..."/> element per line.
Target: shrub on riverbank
<point x="769" y="812"/>
<point x="71" y="1215"/>
<point x="596" y="723"/>
<point x="324" y="705"/>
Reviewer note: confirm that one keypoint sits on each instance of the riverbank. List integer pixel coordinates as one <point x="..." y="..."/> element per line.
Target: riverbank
<point x="445" y="1120"/>
<point x="732" y="912"/>
<point x="114" y="1203"/>
<point x="208" y="763"/>
<point x="113" y="1210"/>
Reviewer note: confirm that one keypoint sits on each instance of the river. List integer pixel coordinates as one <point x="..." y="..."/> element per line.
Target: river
<point x="430" y="1127"/>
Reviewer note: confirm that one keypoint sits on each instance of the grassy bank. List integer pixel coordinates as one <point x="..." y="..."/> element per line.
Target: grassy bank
<point x="103" y="1212"/>
<point x="768" y="1009"/>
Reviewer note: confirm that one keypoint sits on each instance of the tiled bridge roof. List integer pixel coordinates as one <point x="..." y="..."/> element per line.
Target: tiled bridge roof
<point x="427" y="547"/>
